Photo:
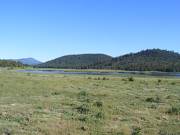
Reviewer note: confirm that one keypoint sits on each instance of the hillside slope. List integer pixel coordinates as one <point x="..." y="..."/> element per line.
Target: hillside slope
<point x="82" y="61"/>
<point x="148" y="60"/>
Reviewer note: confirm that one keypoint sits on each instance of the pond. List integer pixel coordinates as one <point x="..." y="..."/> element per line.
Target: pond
<point x="150" y="73"/>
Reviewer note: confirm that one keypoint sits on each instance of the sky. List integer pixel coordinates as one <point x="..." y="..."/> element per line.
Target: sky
<point x="46" y="29"/>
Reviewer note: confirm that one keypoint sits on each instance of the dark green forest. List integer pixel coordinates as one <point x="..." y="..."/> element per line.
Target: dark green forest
<point x="82" y="61"/>
<point x="9" y="63"/>
<point x="146" y="60"/>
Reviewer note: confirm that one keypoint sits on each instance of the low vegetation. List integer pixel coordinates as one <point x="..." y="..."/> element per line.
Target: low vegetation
<point x="40" y="104"/>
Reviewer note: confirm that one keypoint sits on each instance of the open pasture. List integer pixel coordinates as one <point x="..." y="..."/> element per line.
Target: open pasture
<point x="47" y="104"/>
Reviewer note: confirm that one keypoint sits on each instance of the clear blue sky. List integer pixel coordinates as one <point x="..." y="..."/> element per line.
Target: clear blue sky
<point x="46" y="29"/>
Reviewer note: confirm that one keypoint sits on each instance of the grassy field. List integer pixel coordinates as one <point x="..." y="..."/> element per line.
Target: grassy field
<point x="35" y="104"/>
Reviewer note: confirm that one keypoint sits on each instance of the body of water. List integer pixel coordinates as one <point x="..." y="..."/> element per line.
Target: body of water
<point x="154" y="73"/>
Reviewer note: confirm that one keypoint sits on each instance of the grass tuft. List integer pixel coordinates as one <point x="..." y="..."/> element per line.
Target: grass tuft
<point x="83" y="109"/>
<point x="174" y="110"/>
<point x="152" y="99"/>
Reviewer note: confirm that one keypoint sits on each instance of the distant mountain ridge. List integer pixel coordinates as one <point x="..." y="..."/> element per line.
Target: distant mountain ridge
<point x="146" y="60"/>
<point x="28" y="61"/>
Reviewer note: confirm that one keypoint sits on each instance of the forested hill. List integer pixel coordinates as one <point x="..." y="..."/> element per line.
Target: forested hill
<point x="82" y="61"/>
<point x="146" y="60"/>
<point x="10" y="63"/>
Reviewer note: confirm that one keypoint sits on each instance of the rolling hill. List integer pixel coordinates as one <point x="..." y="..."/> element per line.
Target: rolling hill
<point x="146" y="60"/>
<point x="82" y="61"/>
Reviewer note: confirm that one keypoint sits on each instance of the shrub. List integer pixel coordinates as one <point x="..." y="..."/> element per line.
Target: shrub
<point x="55" y="93"/>
<point x="99" y="115"/>
<point x="82" y="118"/>
<point x="83" y="109"/>
<point x="39" y="107"/>
<point x="153" y="106"/>
<point x="104" y="78"/>
<point x="124" y="79"/>
<point x="131" y="79"/>
<point x="82" y="93"/>
<point x="151" y="99"/>
<point x="99" y="103"/>
<point x="173" y="83"/>
<point x="136" y="131"/>
<point x="83" y="96"/>
<point x="83" y="128"/>
<point x="159" y="80"/>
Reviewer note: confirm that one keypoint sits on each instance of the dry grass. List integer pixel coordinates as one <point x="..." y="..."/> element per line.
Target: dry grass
<point x="33" y="104"/>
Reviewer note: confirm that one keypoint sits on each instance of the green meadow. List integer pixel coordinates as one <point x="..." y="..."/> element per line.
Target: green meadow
<point x="46" y="104"/>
